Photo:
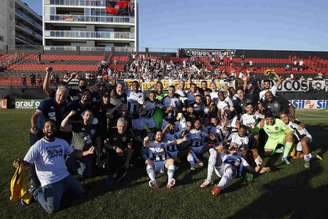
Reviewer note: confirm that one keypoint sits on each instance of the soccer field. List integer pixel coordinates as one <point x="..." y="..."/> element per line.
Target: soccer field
<point x="289" y="192"/>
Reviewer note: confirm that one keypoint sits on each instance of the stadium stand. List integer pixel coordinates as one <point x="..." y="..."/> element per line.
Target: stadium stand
<point x="15" y="66"/>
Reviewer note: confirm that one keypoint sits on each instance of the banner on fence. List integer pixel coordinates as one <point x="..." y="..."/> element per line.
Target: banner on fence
<point x="27" y="103"/>
<point x="3" y="104"/>
<point x="150" y="85"/>
<point x="310" y="104"/>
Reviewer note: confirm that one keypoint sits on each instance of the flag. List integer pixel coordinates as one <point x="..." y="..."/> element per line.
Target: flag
<point x="118" y="7"/>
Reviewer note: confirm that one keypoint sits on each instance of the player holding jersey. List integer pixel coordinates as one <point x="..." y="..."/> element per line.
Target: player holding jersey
<point x="157" y="159"/>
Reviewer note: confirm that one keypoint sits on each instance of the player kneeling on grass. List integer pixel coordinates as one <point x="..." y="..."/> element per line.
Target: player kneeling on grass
<point x="48" y="156"/>
<point x="279" y="134"/>
<point x="303" y="140"/>
<point x="157" y="159"/>
<point x="227" y="167"/>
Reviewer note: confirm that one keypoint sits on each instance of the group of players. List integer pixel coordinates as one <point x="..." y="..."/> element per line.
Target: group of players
<point x="116" y="127"/>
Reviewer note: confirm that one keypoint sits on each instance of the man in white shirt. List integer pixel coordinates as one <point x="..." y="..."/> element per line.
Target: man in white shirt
<point x="267" y="86"/>
<point x="48" y="156"/>
<point x="135" y="98"/>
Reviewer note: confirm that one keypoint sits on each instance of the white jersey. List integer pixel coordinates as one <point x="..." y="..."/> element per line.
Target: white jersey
<point x="134" y="100"/>
<point x="273" y="90"/>
<point x="214" y="95"/>
<point x="248" y="120"/>
<point x="240" y="141"/>
<point x="229" y="101"/>
<point x="222" y="105"/>
<point x="298" y="131"/>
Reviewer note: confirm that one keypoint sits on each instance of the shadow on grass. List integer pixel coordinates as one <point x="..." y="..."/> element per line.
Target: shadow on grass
<point x="291" y="196"/>
<point x="319" y="136"/>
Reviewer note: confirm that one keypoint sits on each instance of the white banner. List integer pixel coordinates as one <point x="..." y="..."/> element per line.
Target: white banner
<point x="294" y="86"/>
<point x="310" y="104"/>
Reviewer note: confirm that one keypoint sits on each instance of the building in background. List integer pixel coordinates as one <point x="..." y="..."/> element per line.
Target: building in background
<point x="19" y="25"/>
<point x="90" y="25"/>
<point x="28" y="26"/>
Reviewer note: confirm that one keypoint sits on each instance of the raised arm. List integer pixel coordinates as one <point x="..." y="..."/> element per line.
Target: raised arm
<point x="64" y="125"/>
<point x="46" y="82"/>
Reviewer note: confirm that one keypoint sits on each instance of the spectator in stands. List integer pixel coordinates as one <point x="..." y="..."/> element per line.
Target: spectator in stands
<point x="39" y="81"/>
<point x="24" y="83"/>
<point x="39" y="58"/>
<point x="32" y="80"/>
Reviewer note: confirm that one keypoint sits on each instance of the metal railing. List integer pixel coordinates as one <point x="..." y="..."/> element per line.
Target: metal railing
<point x="83" y="18"/>
<point x="88" y="49"/>
<point x="88" y="34"/>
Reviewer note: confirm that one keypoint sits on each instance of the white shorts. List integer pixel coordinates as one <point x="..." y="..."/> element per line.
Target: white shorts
<point x="299" y="147"/>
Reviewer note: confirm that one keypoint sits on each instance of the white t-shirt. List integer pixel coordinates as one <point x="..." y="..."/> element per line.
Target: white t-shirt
<point x="134" y="99"/>
<point x="49" y="160"/>
<point x="238" y="140"/>
<point x="214" y="95"/>
<point x="222" y="105"/>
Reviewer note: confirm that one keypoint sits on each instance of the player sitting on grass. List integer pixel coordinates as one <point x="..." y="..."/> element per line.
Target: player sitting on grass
<point x="197" y="138"/>
<point x="157" y="159"/>
<point x="239" y="144"/>
<point x="303" y="140"/>
<point x="279" y="134"/>
<point x="227" y="167"/>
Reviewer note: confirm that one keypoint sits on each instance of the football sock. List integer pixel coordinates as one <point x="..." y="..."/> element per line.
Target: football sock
<point x="307" y="157"/>
<point x="151" y="172"/>
<point x="170" y="173"/>
<point x="191" y="160"/>
<point x="287" y="148"/>
<point x="226" y="178"/>
<point x="211" y="164"/>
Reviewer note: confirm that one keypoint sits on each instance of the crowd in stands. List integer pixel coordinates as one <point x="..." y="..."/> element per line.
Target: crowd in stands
<point x="233" y="132"/>
<point x="150" y="67"/>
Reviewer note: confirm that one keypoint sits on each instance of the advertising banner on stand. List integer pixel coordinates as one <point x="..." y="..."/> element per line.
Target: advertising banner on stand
<point x="27" y="103"/>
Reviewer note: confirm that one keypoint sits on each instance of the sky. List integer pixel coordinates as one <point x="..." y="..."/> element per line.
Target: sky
<point x="233" y="24"/>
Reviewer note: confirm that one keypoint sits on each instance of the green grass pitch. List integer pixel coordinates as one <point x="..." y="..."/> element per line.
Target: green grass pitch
<point x="290" y="192"/>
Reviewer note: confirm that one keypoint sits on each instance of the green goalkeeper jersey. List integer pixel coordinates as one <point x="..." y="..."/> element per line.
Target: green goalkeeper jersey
<point x="277" y="130"/>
